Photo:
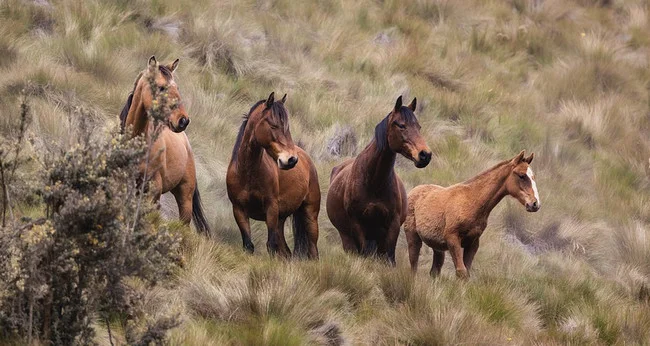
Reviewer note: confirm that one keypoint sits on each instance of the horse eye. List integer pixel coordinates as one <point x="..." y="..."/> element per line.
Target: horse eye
<point x="161" y="89"/>
<point x="522" y="176"/>
<point x="401" y="126"/>
<point x="275" y="127"/>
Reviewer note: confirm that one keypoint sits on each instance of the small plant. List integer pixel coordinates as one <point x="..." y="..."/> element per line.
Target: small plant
<point x="63" y="270"/>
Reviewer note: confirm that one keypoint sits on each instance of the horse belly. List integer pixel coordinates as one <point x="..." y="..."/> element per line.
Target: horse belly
<point x="430" y="226"/>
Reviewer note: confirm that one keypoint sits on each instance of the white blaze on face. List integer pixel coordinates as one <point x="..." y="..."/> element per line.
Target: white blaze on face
<point x="531" y="175"/>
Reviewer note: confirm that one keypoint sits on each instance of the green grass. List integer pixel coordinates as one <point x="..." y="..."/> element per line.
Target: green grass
<point x="567" y="80"/>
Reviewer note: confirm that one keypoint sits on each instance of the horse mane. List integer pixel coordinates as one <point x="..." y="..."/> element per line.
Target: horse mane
<point x="164" y="70"/>
<point x="381" y="130"/>
<point x="277" y="111"/>
<point x="127" y="105"/>
<point x="487" y="171"/>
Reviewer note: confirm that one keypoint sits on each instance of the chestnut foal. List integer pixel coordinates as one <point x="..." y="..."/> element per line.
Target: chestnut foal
<point x="453" y="218"/>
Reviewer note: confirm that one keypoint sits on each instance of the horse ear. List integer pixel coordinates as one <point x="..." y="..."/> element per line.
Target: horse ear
<point x="398" y="103"/>
<point x="172" y="67"/>
<point x="529" y="159"/>
<point x="152" y="61"/>
<point x="269" y="101"/>
<point x="520" y="157"/>
<point x="284" y="98"/>
<point x="414" y="104"/>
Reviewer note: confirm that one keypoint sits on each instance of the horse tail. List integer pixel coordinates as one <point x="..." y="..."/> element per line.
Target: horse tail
<point x="300" y="234"/>
<point x="197" y="214"/>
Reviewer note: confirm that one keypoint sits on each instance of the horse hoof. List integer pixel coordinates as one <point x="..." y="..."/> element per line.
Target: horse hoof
<point x="462" y="274"/>
<point x="249" y="247"/>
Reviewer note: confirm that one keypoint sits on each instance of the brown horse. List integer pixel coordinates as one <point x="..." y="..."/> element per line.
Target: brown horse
<point x="269" y="178"/>
<point x="366" y="201"/>
<point x="171" y="164"/>
<point x="453" y="218"/>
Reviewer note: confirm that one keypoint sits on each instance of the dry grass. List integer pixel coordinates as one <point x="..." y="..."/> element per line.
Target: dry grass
<point x="565" y="79"/>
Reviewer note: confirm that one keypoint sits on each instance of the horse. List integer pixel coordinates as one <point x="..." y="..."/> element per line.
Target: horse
<point x="269" y="178"/>
<point x="366" y="201"/>
<point x="171" y="165"/>
<point x="453" y="218"/>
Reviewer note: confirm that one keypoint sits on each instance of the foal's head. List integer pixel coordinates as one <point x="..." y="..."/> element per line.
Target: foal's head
<point x="163" y="78"/>
<point x="401" y="131"/>
<point x="521" y="185"/>
<point x="271" y="131"/>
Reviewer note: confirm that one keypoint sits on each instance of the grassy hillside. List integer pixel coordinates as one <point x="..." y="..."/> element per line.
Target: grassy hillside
<point x="568" y="80"/>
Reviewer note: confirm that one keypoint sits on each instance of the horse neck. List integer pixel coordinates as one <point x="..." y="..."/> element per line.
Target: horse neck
<point x="137" y="117"/>
<point x="376" y="166"/>
<point x="489" y="188"/>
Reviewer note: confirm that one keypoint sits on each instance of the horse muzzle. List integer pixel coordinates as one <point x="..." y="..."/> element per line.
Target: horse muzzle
<point x="533" y="207"/>
<point x="183" y="122"/>
<point x="287" y="162"/>
<point x="423" y="159"/>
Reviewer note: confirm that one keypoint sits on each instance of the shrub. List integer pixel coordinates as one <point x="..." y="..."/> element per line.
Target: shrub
<point x="96" y="229"/>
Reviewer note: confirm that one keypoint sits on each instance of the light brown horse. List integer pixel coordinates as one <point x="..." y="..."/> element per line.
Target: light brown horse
<point x="453" y="218"/>
<point x="270" y="178"/>
<point x="366" y="201"/>
<point x="171" y="163"/>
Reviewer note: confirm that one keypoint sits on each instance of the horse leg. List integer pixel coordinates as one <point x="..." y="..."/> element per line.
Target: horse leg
<point x="282" y="239"/>
<point x="155" y="189"/>
<point x="387" y="247"/>
<point x="276" y="242"/>
<point x="244" y="227"/>
<point x="414" y="245"/>
<point x="468" y="254"/>
<point x="453" y="243"/>
<point x="438" y="261"/>
<point x="349" y="245"/>
<point x="183" y="194"/>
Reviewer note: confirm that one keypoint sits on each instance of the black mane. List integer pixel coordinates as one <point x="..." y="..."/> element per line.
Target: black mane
<point x="125" y="112"/>
<point x="278" y="112"/>
<point x="381" y="130"/>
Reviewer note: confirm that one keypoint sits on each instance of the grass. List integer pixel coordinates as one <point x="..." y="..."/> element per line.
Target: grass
<point x="565" y="79"/>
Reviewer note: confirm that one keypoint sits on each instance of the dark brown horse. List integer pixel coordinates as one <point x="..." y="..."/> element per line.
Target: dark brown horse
<point x="171" y="164"/>
<point x="367" y="200"/>
<point x="269" y="178"/>
<point x="453" y="218"/>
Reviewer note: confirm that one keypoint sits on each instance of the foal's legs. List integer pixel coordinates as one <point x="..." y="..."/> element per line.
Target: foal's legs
<point x="438" y="261"/>
<point x="244" y="227"/>
<point x="468" y="254"/>
<point x="453" y="243"/>
<point x="414" y="244"/>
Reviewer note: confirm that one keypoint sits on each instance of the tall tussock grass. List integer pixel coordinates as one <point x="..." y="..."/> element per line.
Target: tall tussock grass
<point x="568" y="80"/>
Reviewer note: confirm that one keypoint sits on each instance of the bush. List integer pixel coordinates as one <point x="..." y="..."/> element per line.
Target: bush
<point x="97" y="229"/>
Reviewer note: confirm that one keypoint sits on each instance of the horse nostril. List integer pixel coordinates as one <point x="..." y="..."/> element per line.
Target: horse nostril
<point x="424" y="156"/>
<point x="183" y="122"/>
<point x="293" y="160"/>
